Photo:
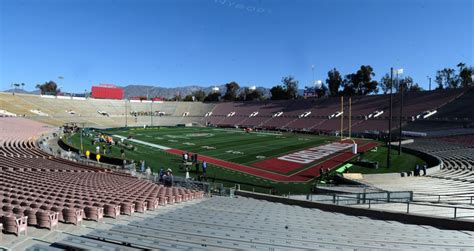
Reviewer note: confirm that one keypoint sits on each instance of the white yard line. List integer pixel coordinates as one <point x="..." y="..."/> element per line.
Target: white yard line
<point x="263" y="133"/>
<point x="143" y="143"/>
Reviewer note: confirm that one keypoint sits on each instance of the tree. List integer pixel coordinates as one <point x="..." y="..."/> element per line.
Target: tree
<point x="406" y="83"/>
<point x="322" y="90"/>
<point x="231" y="91"/>
<point x="465" y="75"/>
<point x="188" y="98"/>
<point x="334" y="82"/>
<point x="49" y="87"/>
<point x="212" y="97"/>
<point x="361" y="83"/>
<point x="385" y="83"/>
<point x="447" y="78"/>
<point x="348" y="88"/>
<point x="278" y="92"/>
<point x="249" y="95"/>
<point x="415" y="88"/>
<point x="199" y="95"/>
<point x="290" y="85"/>
<point x="177" y="97"/>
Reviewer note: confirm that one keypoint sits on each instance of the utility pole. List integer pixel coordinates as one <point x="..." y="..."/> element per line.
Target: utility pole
<point x="350" y="117"/>
<point x="151" y="113"/>
<point x="389" y="139"/>
<point x="125" y="112"/>
<point x="342" y="117"/>
<point x="429" y="79"/>
<point x="82" y="131"/>
<point x="401" y="117"/>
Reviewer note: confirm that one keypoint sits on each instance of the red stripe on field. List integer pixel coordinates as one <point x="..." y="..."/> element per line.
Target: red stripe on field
<point x="284" y="167"/>
<point x="305" y="175"/>
<point x="277" y="165"/>
<point x="235" y="166"/>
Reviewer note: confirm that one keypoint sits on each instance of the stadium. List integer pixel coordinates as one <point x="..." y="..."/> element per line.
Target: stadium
<point x="348" y="163"/>
<point x="254" y="157"/>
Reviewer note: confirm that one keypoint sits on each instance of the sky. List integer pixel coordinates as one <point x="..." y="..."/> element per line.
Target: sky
<point x="169" y="43"/>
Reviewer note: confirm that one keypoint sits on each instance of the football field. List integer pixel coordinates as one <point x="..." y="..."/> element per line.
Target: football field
<point x="253" y="160"/>
<point x="232" y="145"/>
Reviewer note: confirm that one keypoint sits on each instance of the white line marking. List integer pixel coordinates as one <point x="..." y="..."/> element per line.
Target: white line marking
<point x="143" y="143"/>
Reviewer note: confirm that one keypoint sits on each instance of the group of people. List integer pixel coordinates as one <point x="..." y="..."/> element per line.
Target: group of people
<point x="166" y="176"/>
<point x="418" y="169"/>
<point x="189" y="159"/>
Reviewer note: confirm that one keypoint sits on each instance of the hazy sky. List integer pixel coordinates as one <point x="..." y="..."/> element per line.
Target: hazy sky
<point x="205" y="42"/>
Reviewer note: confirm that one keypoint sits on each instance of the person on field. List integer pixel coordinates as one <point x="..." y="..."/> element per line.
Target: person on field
<point x="197" y="167"/>
<point x="168" y="177"/>
<point x="204" y="167"/>
<point x="142" y="166"/>
<point x="148" y="172"/>
<point x="161" y="173"/>
<point x="186" y="156"/>
<point x="424" y="169"/>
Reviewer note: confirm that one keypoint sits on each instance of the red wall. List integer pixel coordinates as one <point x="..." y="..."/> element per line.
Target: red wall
<point x="107" y="92"/>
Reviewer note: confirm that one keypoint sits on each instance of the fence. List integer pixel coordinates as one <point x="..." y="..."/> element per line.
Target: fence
<point x="357" y="198"/>
<point x="401" y="201"/>
<point x="460" y="198"/>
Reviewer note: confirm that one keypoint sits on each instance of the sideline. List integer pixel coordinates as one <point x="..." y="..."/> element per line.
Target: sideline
<point x="143" y="142"/>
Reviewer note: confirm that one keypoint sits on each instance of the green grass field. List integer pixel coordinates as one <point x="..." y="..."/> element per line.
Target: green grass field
<point x="400" y="163"/>
<point x="230" y="144"/>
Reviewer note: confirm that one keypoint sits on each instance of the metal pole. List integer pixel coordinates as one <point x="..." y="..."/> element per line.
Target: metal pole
<point x="151" y="113"/>
<point x="390" y="120"/>
<point x="350" y="116"/>
<point x="126" y="113"/>
<point x="82" y="130"/>
<point x="401" y="116"/>
<point x="429" y="78"/>
<point x="342" y="116"/>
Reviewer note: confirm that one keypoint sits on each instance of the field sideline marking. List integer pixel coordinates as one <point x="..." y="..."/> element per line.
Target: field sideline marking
<point x="144" y="143"/>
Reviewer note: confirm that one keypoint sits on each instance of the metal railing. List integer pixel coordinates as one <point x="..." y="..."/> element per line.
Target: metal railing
<point x="339" y="199"/>
<point x="206" y="187"/>
<point x="455" y="208"/>
<point x="459" y="198"/>
<point x="359" y="198"/>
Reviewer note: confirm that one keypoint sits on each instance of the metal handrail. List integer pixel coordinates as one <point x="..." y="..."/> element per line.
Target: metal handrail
<point x="408" y="203"/>
<point x="448" y="196"/>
